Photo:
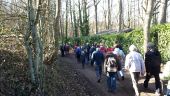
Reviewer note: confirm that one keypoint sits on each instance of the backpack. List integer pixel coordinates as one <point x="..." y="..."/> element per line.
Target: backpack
<point x="112" y="65"/>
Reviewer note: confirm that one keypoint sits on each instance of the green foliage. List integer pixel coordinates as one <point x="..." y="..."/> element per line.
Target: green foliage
<point x="160" y="35"/>
<point x="163" y="40"/>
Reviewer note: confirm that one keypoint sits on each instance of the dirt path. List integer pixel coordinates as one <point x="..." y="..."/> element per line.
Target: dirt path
<point x="124" y="88"/>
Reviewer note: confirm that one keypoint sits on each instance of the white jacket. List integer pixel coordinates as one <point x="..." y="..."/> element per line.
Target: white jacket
<point x="166" y="73"/>
<point x="134" y="62"/>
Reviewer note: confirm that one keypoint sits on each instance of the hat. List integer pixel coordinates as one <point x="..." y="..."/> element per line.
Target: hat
<point x="132" y="48"/>
<point x="150" y="45"/>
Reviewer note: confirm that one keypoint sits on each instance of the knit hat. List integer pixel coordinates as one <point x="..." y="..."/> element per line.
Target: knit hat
<point x="150" y="46"/>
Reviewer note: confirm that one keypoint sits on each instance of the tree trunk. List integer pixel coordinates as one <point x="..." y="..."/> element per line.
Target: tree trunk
<point x="80" y="18"/>
<point x="120" y="16"/>
<point x="104" y="14"/>
<point x="33" y="48"/>
<point x="56" y="25"/>
<point x="134" y="14"/>
<point x="138" y="12"/>
<point x="66" y="28"/>
<point x="71" y="17"/>
<point x="96" y="19"/>
<point x="147" y="22"/>
<point x="163" y="8"/>
<point x="129" y="22"/>
<point x="109" y="15"/>
<point x="85" y="19"/>
<point x="75" y="24"/>
<point x="34" y="45"/>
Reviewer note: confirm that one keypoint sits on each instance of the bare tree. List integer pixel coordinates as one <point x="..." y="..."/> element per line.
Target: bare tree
<point x="75" y="21"/>
<point x="104" y="14"/>
<point x="109" y="15"/>
<point x="83" y="18"/>
<point x="66" y="28"/>
<point x="56" y="24"/>
<point x="120" y="16"/>
<point x="71" y="15"/>
<point x="147" y="21"/>
<point x="128" y="15"/>
<point x="96" y="2"/>
<point x="163" y="8"/>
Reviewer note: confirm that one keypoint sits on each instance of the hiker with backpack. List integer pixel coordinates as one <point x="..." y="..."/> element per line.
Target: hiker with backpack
<point x="78" y="53"/>
<point x="111" y="65"/>
<point x="98" y="58"/>
<point x="121" y="56"/>
<point x="87" y="47"/>
<point x="135" y="64"/>
<point x="83" y="57"/>
<point x="153" y="67"/>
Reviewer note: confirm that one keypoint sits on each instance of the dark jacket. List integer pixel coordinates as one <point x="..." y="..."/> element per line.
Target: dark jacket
<point x="153" y="62"/>
<point x="98" y="58"/>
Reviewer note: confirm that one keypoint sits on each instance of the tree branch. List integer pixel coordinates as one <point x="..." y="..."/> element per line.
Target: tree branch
<point x="24" y="8"/>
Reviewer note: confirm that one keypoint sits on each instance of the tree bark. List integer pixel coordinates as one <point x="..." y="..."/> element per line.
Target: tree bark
<point x="71" y="17"/>
<point x="163" y="9"/>
<point x="95" y="8"/>
<point x="56" y="23"/>
<point x="75" y="24"/>
<point x="147" y="22"/>
<point x="129" y="21"/>
<point x="66" y="28"/>
<point x="80" y="18"/>
<point x="85" y="19"/>
<point x="33" y="44"/>
<point x="109" y="15"/>
<point x="120" y="16"/>
<point x="96" y="2"/>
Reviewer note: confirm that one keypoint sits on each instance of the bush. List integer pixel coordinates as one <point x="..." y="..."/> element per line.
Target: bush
<point x="160" y="35"/>
<point x="163" y="40"/>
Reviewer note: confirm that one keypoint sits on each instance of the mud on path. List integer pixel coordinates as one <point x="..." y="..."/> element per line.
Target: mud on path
<point x="124" y="87"/>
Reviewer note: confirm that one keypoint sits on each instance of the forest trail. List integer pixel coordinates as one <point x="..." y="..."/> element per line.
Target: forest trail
<point x="124" y="87"/>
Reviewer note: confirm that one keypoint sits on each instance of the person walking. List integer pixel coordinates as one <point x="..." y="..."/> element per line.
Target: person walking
<point x="78" y="53"/>
<point x="135" y="64"/>
<point x="121" y="57"/>
<point x="152" y="64"/>
<point x="83" y="58"/>
<point x="98" y="58"/>
<point x="111" y="65"/>
<point x="92" y="49"/>
<point x="166" y="76"/>
<point x="62" y="50"/>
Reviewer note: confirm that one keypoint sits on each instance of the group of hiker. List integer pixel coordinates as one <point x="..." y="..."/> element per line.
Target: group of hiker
<point x="115" y="62"/>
